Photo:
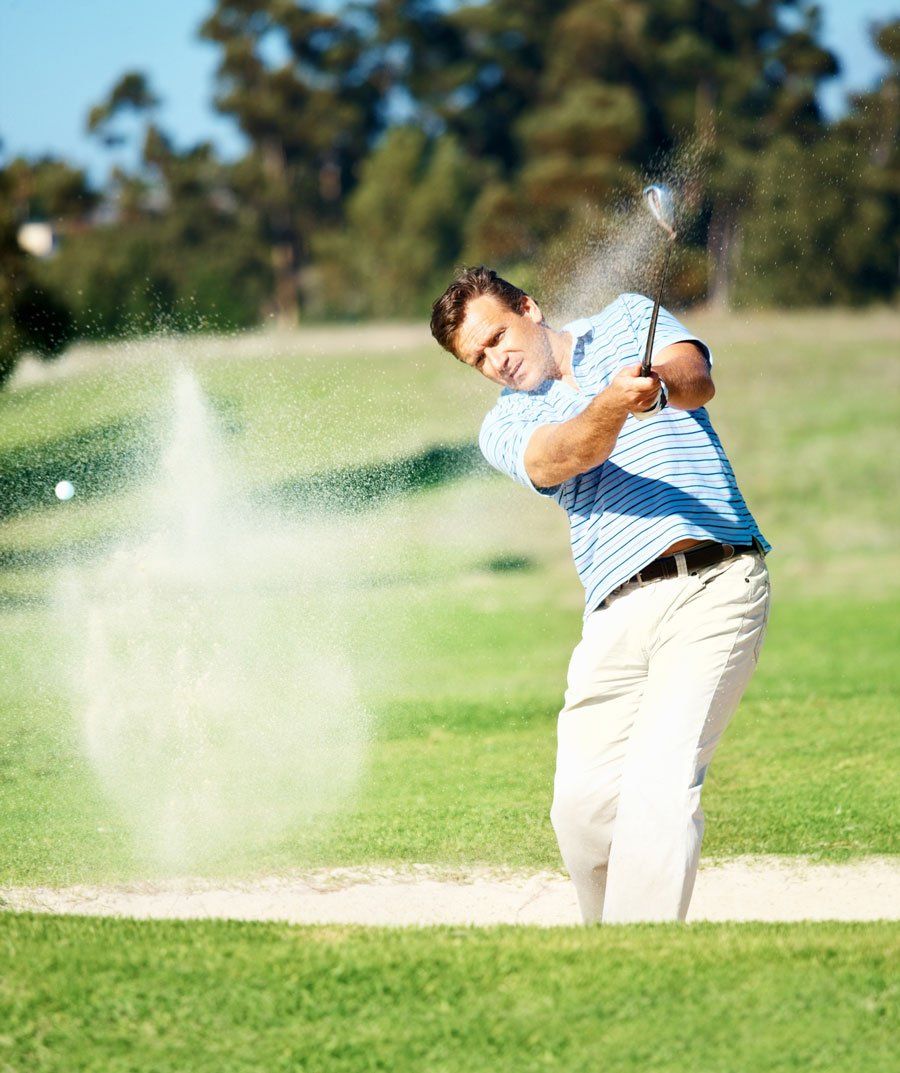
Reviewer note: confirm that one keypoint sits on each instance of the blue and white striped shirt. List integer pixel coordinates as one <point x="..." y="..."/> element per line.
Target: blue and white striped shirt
<point x="667" y="478"/>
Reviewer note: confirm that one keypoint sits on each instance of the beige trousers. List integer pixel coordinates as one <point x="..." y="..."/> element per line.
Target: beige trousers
<point x="652" y="685"/>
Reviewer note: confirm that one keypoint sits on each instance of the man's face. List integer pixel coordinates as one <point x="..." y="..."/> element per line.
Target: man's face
<point x="512" y="349"/>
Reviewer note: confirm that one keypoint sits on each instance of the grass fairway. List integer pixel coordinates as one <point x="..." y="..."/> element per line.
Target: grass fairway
<point x="116" y="996"/>
<point x="464" y="777"/>
<point x="477" y="605"/>
<point x="476" y="608"/>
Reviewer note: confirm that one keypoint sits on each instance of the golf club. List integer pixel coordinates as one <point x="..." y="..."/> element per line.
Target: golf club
<point x="662" y="207"/>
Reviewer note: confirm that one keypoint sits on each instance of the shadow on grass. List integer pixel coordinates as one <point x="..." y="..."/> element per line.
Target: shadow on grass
<point x="97" y="461"/>
<point x="113" y="457"/>
<point x="358" y="487"/>
<point x="23" y="601"/>
<point x="508" y="563"/>
<point x="104" y="460"/>
<point x="67" y="551"/>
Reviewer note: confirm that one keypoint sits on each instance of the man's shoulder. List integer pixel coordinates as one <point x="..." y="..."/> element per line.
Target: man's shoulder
<point x="622" y="308"/>
<point x="519" y="405"/>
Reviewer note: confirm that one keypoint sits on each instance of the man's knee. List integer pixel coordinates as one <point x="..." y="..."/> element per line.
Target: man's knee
<point x="584" y="810"/>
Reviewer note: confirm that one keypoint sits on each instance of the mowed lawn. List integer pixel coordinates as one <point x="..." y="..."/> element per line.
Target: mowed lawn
<point x="463" y="616"/>
<point x="119" y="996"/>
<point x="477" y="605"/>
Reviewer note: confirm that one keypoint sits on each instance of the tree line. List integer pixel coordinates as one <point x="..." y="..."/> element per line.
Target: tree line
<point x="392" y="140"/>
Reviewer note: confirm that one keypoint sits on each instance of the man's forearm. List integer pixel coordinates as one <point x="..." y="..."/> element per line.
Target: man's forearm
<point x="558" y="452"/>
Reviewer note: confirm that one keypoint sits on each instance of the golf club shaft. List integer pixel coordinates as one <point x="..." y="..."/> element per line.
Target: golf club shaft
<point x="651" y="334"/>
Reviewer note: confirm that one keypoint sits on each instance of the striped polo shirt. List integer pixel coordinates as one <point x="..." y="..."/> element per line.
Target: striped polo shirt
<point x="667" y="478"/>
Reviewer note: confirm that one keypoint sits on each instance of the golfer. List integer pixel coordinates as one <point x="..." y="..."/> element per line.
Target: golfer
<point x="672" y="563"/>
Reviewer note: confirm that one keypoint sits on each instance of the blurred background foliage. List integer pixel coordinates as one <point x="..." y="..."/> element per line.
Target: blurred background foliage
<point x="392" y="140"/>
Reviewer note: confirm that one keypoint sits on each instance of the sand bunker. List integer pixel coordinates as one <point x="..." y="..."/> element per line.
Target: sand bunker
<point x="743" y="889"/>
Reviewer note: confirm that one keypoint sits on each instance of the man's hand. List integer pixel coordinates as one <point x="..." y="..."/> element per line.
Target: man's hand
<point x="561" y="450"/>
<point x="632" y="392"/>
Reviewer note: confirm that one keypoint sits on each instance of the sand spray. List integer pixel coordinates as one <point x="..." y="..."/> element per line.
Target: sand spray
<point x="217" y="700"/>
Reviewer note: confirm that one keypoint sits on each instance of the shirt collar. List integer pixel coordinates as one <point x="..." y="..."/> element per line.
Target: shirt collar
<point x="582" y="332"/>
<point x="579" y="329"/>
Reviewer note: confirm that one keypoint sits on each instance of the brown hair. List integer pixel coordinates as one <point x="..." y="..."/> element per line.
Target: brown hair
<point x="449" y="311"/>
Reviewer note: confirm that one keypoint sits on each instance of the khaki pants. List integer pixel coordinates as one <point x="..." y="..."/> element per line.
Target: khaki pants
<point x="652" y="686"/>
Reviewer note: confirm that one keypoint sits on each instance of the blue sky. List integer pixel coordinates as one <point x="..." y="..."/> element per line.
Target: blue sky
<point x="58" y="57"/>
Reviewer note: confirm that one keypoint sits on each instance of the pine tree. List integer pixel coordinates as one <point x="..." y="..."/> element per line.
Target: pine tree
<point x="295" y="79"/>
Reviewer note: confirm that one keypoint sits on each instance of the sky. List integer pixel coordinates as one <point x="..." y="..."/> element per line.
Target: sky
<point x="60" y="57"/>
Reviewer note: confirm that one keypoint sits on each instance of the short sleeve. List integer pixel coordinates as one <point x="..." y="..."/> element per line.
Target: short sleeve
<point x="669" y="328"/>
<point x="503" y="440"/>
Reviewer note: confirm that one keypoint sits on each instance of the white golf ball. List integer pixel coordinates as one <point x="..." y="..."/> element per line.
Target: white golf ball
<point x="64" y="490"/>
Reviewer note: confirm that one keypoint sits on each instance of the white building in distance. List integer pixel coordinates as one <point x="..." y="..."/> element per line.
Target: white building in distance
<point x="37" y="238"/>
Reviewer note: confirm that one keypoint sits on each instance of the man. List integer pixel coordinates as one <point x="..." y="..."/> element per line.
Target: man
<point x="672" y="562"/>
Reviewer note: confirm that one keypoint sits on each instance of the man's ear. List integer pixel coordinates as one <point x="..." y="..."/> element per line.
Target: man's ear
<point x="529" y="308"/>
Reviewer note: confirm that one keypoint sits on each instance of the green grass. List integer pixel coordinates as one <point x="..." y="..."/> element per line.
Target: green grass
<point x="462" y="774"/>
<point x="116" y="996"/>
<point x="462" y="621"/>
<point x="476" y="606"/>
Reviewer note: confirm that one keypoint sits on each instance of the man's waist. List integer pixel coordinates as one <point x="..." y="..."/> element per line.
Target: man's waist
<point x="695" y="557"/>
<point x="682" y="545"/>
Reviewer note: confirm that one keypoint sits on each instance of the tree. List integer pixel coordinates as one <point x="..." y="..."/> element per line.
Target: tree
<point x="872" y="240"/>
<point x="50" y="189"/>
<point x="181" y="252"/>
<point x="309" y="114"/>
<point x="405" y="226"/>
<point x="175" y="247"/>
<point x="32" y="315"/>
<point x="132" y="93"/>
<point x="825" y="220"/>
<point x="13" y="277"/>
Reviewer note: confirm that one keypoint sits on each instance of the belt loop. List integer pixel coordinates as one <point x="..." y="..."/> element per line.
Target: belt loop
<point x="681" y="563"/>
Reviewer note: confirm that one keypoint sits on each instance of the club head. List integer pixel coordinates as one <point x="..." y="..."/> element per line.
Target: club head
<point x="661" y="204"/>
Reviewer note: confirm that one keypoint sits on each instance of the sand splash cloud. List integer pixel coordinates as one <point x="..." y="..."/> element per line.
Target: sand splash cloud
<point x="217" y="702"/>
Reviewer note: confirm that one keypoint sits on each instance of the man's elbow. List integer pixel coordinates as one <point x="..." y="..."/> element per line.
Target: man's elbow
<point x="544" y="475"/>
<point x="706" y="393"/>
<point x="698" y="395"/>
<point x="547" y="468"/>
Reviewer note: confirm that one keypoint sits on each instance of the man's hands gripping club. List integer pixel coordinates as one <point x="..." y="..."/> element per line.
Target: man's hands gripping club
<point x="638" y="394"/>
<point x="557" y="452"/>
<point x="562" y="450"/>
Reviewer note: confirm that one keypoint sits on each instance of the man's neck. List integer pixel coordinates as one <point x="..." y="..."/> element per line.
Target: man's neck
<point x="562" y="346"/>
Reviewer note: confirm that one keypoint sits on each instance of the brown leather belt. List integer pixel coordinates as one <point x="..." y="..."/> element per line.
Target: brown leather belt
<point x="694" y="558"/>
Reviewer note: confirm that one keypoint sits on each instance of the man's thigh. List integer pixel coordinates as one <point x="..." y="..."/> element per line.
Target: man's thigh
<point x="606" y="680"/>
<point x="666" y="659"/>
<point x="701" y="660"/>
<point x="719" y="626"/>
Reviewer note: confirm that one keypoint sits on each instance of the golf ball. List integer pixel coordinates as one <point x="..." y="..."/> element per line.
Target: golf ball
<point x="64" y="490"/>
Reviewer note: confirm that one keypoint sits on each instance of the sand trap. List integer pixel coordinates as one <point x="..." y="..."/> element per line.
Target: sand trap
<point x="767" y="889"/>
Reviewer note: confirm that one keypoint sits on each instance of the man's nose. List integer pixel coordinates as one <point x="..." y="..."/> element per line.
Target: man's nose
<point x="498" y="359"/>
